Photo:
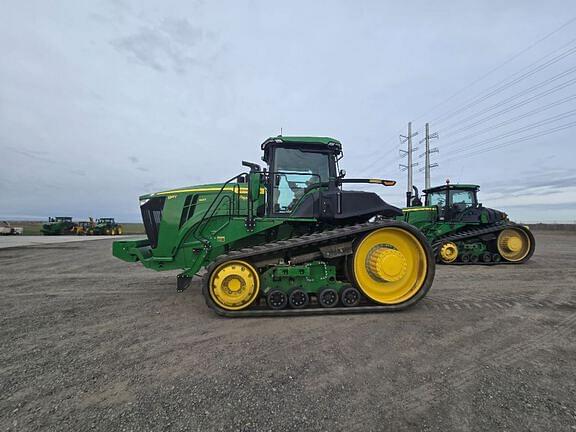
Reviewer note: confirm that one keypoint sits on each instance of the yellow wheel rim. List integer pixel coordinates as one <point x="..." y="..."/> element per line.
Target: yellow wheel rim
<point x="448" y="252"/>
<point x="390" y="265"/>
<point x="234" y="285"/>
<point x="513" y="244"/>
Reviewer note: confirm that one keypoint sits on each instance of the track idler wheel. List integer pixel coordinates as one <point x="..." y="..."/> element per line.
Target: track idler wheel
<point x="392" y="265"/>
<point x="350" y="297"/>
<point x="465" y="258"/>
<point x="234" y="285"/>
<point x="486" y="257"/>
<point x="328" y="297"/>
<point x="514" y="244"/>
<point x="474" y="259"/>
<point x="277" y="299"/>
<point x="298" y="298"/>
<point x="448" y="252"/>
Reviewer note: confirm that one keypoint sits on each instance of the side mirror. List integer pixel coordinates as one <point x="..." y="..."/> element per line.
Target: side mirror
<point x="253" y="167"/>
<point x="277" y="179"/>
<point x="342" y="173"/>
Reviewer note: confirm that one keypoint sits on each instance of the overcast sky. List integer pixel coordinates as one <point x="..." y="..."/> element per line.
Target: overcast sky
<point x="102" y="101"/>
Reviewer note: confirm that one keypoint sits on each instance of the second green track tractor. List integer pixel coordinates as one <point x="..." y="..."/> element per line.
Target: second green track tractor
<point x="286" y="239"/>
<point x="59" y="225"/>
<point x="462" y="231"/>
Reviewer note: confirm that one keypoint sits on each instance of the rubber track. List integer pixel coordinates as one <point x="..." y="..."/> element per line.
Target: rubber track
<point x="341" y="233"/>
<point x="468" y="234"/>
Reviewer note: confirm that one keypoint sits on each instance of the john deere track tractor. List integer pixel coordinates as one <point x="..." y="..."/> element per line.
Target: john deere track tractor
<point x="59" y="225"/>
<point x="286" y="239"/>
<point x="105" y="226"/>
<point x="462" y="231"/>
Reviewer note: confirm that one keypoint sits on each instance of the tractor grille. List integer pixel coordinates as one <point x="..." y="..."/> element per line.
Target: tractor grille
<point x="152" y="216"/>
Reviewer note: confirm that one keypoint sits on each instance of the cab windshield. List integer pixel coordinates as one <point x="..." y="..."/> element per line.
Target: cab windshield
<point x="459" y="198"/>
<point x="463" y="198"/>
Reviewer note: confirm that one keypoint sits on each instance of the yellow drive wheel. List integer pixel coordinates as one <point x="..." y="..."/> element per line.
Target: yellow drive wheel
<point x="234" y="285"/>
<point x="390" y="265"/>
<point x="513" y="244"/>
<point x="448" y="252"/>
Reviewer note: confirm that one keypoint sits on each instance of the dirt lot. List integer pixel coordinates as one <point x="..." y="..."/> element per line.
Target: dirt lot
<point x="92" y="343"/>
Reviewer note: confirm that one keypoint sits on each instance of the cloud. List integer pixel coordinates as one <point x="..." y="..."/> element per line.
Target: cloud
<point x="167" y="46"/>
<point x="36" y="155"/>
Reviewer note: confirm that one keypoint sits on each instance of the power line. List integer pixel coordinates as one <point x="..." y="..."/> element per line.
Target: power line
<point x="519" y="130"/>
<point x="512" y="107"/>
<point x="515" y="141"/>
<point x="500" y="88"/>
<point x="509" y="121"/>
<point x="501" y="65"/>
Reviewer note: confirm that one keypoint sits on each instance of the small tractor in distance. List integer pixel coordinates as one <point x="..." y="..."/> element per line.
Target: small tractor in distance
<point x="59" y="225"/>
<point x="105" y="226"/>
<point x="83" y="227"/>
<point x="286" y="239"/>
<point x="462" y="231"/>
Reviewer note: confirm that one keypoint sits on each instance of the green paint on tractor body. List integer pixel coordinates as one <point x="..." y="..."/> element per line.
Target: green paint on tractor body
<point x="312" y="277"/>
<point x="451" y="209"/>
<point x="59" y="225"/>
<point x="188" y="228"/>
<point x="104" y="226"/>
<point x="187" y="239"/>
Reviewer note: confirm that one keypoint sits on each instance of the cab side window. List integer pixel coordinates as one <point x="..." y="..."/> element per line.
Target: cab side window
<point x="294" y="172"/>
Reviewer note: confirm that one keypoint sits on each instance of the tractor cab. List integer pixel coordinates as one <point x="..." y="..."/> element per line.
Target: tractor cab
<point x="454" y="204"/>
<point x="303" y="180"/>
<point x="452" y="200"/>
<point x="60" y="219"/>
<point x="296" y="166"/>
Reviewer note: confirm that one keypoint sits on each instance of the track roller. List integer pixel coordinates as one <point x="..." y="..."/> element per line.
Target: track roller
<point x="277" y="299"/>
<point x="298" y="298"/>
<point x="328" y="297"/>
<point x="350" y="297"/>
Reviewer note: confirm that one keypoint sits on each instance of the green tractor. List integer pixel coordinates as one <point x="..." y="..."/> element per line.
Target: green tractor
<point x="286" y="239"/>
<point x="105" y="226"/>
<point x="59" y="225"/>
<point x="462" y="231"/>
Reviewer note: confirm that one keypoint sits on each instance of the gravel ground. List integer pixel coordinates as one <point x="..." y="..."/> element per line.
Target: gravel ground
<point x="18" y="241"/>
<point x="92" y="343"/>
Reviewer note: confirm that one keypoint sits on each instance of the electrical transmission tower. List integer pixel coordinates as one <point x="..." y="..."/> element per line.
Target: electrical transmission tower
<point x="427" y="151"/>
<point x="409" y="165"/>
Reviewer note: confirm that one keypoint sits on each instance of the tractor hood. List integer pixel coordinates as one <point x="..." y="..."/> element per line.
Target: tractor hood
<point x="211" y="187"/>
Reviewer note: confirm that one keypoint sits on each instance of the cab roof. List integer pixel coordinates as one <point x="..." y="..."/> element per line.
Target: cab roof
<point x="310" y="142"/>
<point x="472" y="187"/>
